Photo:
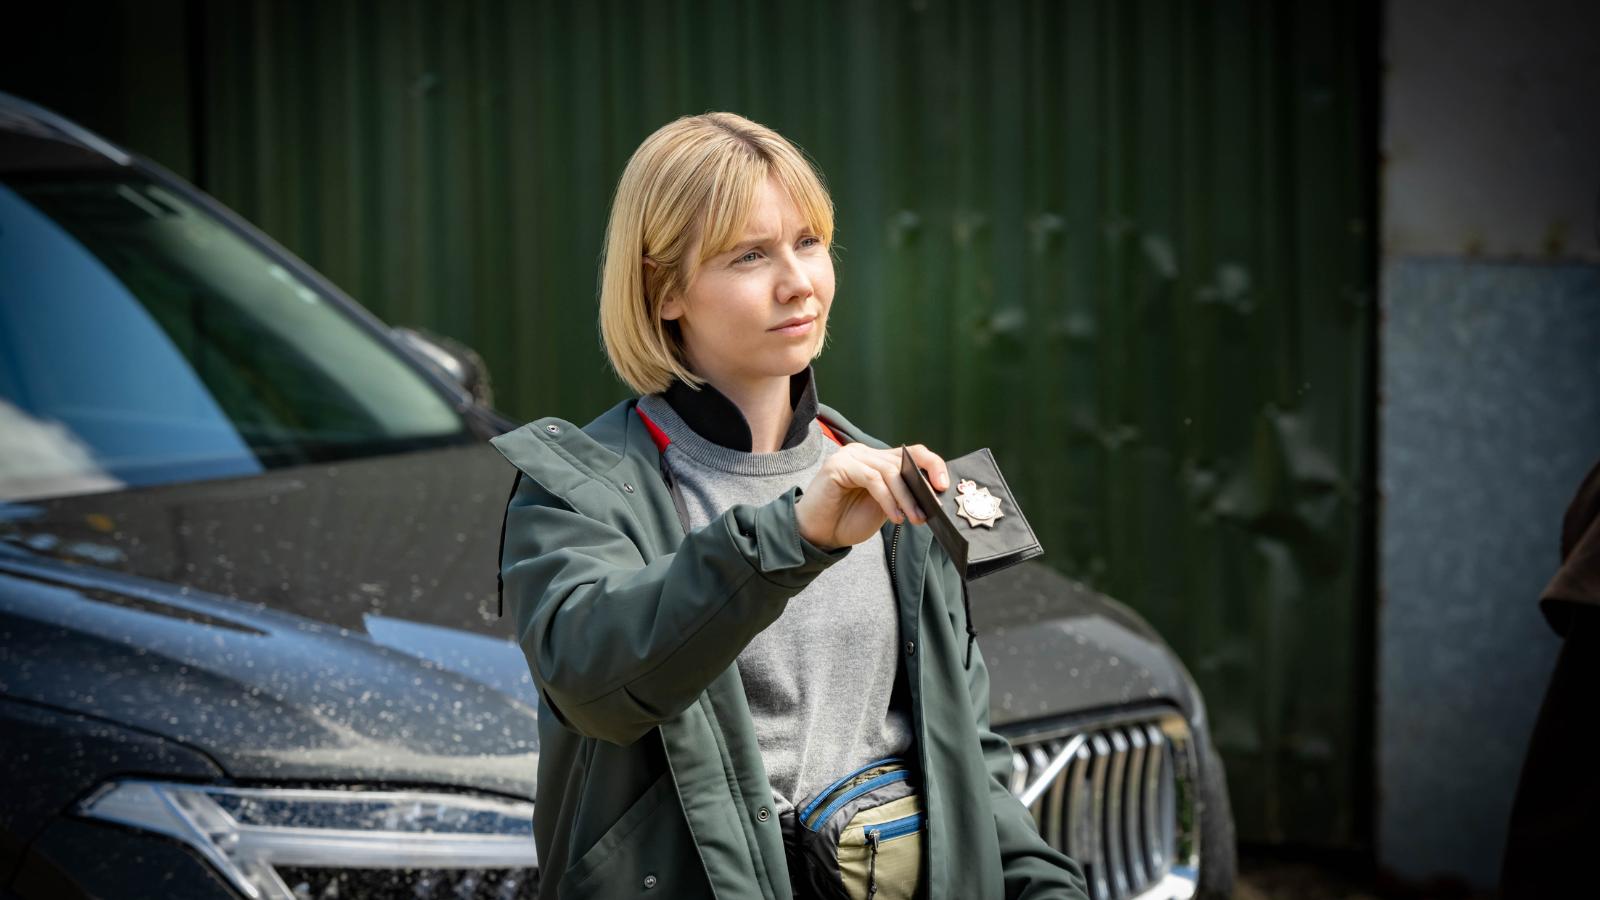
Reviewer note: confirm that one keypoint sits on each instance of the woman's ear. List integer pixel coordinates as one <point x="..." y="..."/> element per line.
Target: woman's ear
<point x="672" y="307"/>
<point x="647" y="270"/>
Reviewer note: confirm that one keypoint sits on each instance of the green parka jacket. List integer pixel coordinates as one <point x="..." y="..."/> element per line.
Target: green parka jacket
<point x="650" y="779"/>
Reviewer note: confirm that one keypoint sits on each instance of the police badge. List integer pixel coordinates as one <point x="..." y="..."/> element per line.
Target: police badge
<point x="976" y="504"/>
<point x="996" y="533"/>
<point x="977" y="551"/>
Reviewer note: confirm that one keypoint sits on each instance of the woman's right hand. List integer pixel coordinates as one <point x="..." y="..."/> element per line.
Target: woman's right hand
<point x="857" y="489"/>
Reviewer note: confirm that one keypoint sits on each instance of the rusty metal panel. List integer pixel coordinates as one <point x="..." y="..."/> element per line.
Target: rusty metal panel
<point x="1125" y="244"/>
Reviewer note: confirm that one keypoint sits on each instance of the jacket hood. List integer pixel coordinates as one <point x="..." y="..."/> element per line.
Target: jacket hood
<point x="1578" y="579"/>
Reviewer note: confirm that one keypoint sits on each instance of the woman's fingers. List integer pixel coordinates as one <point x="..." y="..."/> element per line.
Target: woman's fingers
<point x="868" y="477"/>
<point x="902" y="493"/>
<point x="933" y="463"/>
<point x="885" y="466"/>
<point x="878" y="473"/>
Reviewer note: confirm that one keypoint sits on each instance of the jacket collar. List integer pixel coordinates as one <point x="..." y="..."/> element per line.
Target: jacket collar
<point x="717" y="419"/>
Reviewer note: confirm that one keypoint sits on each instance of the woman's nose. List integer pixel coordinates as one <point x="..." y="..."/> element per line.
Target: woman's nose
<point x="794" y="283"/>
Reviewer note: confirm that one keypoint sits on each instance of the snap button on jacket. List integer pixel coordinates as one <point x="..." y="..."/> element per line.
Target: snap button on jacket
<point x="649" y="769"/>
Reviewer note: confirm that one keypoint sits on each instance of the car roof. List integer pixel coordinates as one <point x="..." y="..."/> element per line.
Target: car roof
<point x="20" y="118"/>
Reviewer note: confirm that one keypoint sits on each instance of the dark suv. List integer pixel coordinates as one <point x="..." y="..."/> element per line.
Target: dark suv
<point x="248" y="638"/>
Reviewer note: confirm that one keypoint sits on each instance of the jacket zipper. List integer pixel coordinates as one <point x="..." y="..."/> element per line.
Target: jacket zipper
<point x="894" y="580"/>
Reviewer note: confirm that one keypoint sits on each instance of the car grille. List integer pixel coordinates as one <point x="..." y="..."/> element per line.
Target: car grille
<point x="308" y="883"/>
<point x="1116" y="795"/>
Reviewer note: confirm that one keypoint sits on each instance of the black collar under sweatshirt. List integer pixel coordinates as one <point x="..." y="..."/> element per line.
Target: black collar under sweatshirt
<point x="717" y="419"/>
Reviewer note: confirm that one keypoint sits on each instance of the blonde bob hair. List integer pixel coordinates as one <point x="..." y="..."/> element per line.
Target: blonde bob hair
<point x="697" y="177"/>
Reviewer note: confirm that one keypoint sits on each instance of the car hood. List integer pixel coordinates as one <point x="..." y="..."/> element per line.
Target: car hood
<point x="267" y="695"/>
<point x="412" y="536"/>
<point x="1056" y="648"/>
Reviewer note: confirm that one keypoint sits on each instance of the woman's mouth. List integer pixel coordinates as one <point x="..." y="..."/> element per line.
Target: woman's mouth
<point x="796" y="327"/>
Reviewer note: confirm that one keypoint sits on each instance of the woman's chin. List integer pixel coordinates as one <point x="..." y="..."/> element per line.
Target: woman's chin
<point x="788" y="359"/>
<point x="770" y="359"/>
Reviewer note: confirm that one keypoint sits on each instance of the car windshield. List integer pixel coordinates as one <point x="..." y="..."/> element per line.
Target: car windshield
<point x="142" y="341"/>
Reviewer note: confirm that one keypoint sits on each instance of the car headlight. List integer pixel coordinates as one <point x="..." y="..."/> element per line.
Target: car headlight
<point x="255" y="836"/>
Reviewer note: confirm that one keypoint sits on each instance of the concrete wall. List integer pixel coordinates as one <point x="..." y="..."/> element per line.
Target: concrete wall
<point x="1492" y="129"/>
<point x="1490" y="415"/>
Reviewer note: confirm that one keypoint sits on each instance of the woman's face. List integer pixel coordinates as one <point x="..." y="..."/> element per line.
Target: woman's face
<point x="758" y="310"/>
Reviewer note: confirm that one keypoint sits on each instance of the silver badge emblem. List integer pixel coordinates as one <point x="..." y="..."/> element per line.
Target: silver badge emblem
<point x="976" y="504"/>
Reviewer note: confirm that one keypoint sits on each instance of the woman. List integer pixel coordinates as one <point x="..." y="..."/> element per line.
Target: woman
<point x="727" y="597"/>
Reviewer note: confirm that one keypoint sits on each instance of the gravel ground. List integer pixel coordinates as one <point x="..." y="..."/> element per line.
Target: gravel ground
<point x="1269" y="878"/>
<point x="1296" y="881"/>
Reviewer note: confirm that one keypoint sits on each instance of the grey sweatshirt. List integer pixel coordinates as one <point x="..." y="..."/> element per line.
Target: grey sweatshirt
<point x="819" y="680"/>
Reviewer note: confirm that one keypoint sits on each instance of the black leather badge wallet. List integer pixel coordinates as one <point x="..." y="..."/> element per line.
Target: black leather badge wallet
<point x="977" y="521"/>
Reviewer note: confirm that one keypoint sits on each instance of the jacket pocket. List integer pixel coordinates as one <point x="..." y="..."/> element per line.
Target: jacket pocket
<point x="649" y="847"/>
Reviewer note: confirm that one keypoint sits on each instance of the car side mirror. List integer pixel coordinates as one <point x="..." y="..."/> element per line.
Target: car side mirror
<point x="452" y="359"/>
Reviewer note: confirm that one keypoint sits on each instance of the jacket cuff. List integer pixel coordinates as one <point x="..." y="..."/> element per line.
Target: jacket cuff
<point x="771" y="535"/>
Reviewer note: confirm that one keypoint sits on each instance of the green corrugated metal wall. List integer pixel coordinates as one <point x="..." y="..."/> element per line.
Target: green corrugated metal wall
<point x="1123" y="243"/>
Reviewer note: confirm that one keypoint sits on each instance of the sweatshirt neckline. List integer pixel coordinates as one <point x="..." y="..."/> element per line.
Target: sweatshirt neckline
<point x="726" y="459"/>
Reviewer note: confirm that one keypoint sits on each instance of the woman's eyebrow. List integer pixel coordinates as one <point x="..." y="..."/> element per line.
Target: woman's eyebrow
<point x="750" y="243"/>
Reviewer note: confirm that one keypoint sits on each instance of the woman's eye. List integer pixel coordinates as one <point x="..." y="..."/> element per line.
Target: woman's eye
<point x="749" y="257"/>
<point x="810" y="241"/>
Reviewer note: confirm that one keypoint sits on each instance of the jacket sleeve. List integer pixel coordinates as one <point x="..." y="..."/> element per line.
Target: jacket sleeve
<point x="1032" y="869"/>
<point x="618" y="646"/>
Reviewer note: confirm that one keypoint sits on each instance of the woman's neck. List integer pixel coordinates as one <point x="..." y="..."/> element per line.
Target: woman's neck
<point x="765" y="405"/>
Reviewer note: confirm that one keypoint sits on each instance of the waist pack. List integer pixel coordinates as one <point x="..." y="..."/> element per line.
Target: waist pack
<point x="859" y="838"/>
